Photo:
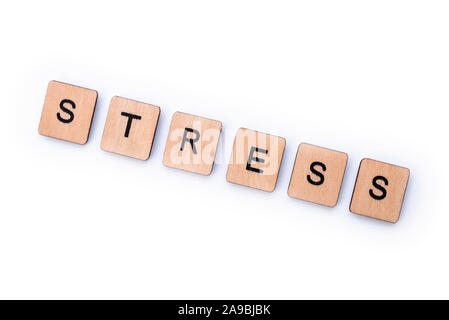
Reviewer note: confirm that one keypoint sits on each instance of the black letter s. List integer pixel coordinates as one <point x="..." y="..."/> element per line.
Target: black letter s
<point x="317" y="173"/>
<point x="379" y="187"/>
<point x="69" y="112"/>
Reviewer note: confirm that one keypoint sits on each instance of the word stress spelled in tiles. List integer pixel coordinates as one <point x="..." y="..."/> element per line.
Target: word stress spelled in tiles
<point x="317" y="175"/>
<point x="67" y="113"/>
<point x="192" y="143"/>
<point x="256" y="159"/>
<point x="130" y="128"/>
<point x="379" y="190"/>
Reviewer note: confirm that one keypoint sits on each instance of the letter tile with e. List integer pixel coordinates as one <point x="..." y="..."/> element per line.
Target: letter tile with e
<point x="192" y="143"/>
<point x="256" y="159"/>
<point x="130" y="128"/>
<point x="67" y="113"/>
<point x="317" y="175"/>
<point x="379" y="190"/>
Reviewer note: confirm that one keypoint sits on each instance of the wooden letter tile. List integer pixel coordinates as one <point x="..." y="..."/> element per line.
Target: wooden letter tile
<point x="130" y="128"/>
<point x="256" y="159"/>
<point x="317" y="175"/>
<point x="379" y="190"/>
<point x="67" y="113"/>
<point x="192" y="143"/>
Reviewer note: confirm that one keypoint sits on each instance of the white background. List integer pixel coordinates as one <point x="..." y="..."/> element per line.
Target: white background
<point x="369" y="78"/>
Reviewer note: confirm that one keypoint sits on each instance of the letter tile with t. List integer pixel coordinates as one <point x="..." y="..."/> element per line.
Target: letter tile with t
<point x="67" y="113"/>
<point x="379" y="190"/>
<point x="192" y="143"/>
<point x="130" y="128"/>
<point x="256" y="159"/>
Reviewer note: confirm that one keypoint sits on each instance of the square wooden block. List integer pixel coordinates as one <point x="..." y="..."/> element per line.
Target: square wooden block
<point x="67" y="113"/>
<point x="192" y="143"/>
<point x="130" y="128"/>
<point x="317" y="175"/>
<point x="379" y="190"/>
<point x="256" y="159"/>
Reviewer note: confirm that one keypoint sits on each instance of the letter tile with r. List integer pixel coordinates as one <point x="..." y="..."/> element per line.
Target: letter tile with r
<point x="192" y="143"/>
